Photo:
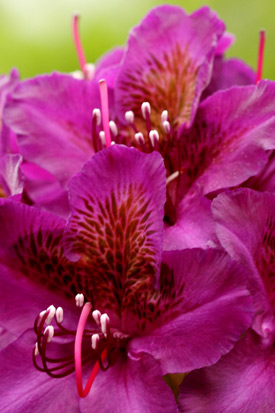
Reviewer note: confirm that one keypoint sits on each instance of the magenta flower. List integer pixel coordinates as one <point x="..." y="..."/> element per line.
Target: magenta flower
<point x="243" y="381"/>
<point x="153" y="313"/>
<point x="166" y="69"/>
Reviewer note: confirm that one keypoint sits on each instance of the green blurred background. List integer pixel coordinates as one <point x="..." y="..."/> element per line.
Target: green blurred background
<point x="35" y="35"/>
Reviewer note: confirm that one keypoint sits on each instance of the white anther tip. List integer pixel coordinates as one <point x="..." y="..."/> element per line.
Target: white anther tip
<point x="102" y="81"/>
<point x="102" y="137"/>
<point x="145" y="108"/>
<point x="164" y="116"/>
<point x="129" y="116"/>
<point x="49" y="331"/>
<point x="139" y="138"/>
<point x="104" y="321"/>
<point x="96" y="316"/>
<point x="51" y="314"/>
<point x="79" y="300"/>
<point x="154" y="137"/>
<point x="59" y="314"/>
<point x="113" y="127"/>
<point x="36" y="350"/>
<point x="97" y="115"/>
<point x="94" y="341"/>
<point x="166" y="126"/>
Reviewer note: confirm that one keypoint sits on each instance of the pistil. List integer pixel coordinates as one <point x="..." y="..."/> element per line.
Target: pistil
<point x="260" y="55"/>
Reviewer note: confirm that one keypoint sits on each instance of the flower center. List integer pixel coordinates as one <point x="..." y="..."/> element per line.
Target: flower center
<point x="99" y="344"/>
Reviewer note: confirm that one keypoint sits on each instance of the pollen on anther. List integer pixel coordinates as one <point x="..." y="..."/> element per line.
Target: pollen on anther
<point x="94" y="341"/>
<point x="51" y="315"/>
<point x="145" y="109"/>
<point x="129" y="116"/>
<point x="139" y="138"/>
<point x="97" y="115"/>
<point x="154" y="137"/>
<point x="113" y="128"/>
<point x="102" y="138"/>
<point x="104" y="321"/>
<point x="164" y="116"/>
<point x="166" y="126"/>
<point x="36" y="350"/>
<point x="49" y="333"/>
<point x="59" y="314"/>
<point x="96" y="316"/>
<point x="79" y="300"/>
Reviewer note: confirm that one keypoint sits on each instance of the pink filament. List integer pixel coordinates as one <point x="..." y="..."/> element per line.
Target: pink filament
<point x="260" y="56"/>
<point x="105" y="110"/>
<point x="78" y="45"/>
<point x="77" y="354"/>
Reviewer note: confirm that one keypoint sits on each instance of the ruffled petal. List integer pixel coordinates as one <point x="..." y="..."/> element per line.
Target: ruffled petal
<point x="51" y="115"/>
<point x="242" y="381"/>
<point x="246" y="228"/>
<point x="202" y="301"/>
<point x="229" y="140"/>
<point x="24" y="389"/>
<point x="168" y="63"/>
<point x="116" y="223"/>
<point x="130" y="386"/>
<point x="228" y="73"/>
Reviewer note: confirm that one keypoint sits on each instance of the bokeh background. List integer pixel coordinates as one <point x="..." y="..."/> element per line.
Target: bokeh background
<point x="35" y="35"/>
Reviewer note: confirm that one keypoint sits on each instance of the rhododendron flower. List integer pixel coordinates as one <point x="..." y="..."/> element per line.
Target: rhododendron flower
<point x="155" y="87"/>
<point x="152" y="313"/>
<point x="244" y="379"/>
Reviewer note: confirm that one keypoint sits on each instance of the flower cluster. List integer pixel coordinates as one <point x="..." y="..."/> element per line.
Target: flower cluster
<point x="137" y="219"/>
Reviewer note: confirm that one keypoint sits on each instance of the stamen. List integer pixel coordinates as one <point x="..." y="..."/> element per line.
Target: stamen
<point x="113" y="128"/>
<point x="105" y="110"/>
<point x="154" y="138"/>
<point x="260" y="55"/>
<point x="102" y="139"/>
<point x="145" y="109"/>
<point x="105" y="322"/>
<point x="36" y="351"/>
<point x="59" y="314"/>
<point x="96" y="316"/>
<point x="166" y="126"/>
<point x="129" y="117"/>
<point x="78" y="45"/>
<point x="164" y="116"/>
<point x="51" y="310"/>
<point x="49" y="333"/>
<point x="79" y="300"/>
<point x="77" y="354"/>
<point x="97" y="116"/>
<point x="95" y="340"/>
<point x="172" y="177"/>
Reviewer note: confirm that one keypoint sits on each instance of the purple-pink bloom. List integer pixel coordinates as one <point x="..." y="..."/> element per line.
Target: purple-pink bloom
<point x="155" y="313"/>
<point x="168" y="63"/>
<point x="244" y="379"/>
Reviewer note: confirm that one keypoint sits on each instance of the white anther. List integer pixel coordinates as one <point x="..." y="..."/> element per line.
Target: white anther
<point x="113" y="143"/>
<point x="97" y="115"/>
<point x="59" y="314"/>
<point x="113" y="127"/>
<point x="164" y="116"/>
<point x="42" y="314"/>
<point x="36" y="350"/>
<point x="172" y="177"/>
<point x="129" y="116"/>
<point x="166" y="126"/>
<point x="153" y="136"/>
<point x="89" y="71"/>
<point x="51" y="314"/>
<point x="104" y="321"/>
<point x="94" y="341"/>
<point x="77" y="74"/>
<point x="79" y="300"/>
<point x="145" y="108"/>
<point x="102" y="137"/>
<point x="139" y="138"/>
<point x="96" y="315"/>
<point x="49" y="331"/>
